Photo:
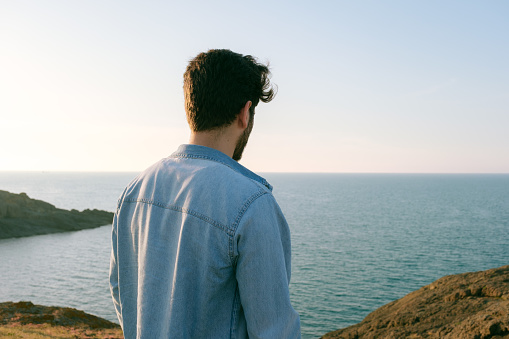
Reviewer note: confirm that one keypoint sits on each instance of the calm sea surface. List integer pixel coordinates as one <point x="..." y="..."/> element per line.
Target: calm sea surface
<point x="359" y="240"/>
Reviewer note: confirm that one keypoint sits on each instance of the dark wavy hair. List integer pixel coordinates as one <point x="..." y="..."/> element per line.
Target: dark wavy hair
<point x="217" y="84"/>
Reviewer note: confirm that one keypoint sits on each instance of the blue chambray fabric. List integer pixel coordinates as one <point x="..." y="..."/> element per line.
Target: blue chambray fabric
<point x="201" y="249"/>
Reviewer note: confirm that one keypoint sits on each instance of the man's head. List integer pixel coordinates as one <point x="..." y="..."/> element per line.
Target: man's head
<point x="218" y="84"/>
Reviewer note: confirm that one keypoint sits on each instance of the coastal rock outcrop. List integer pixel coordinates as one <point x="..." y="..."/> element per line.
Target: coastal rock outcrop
<point x="470" y="305"/>
<point x="21" y="216"/>
<point x="26" y="320"/>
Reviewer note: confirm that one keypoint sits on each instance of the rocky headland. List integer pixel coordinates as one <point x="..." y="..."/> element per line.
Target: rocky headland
<point x="470" y="305"/>
<point x="26" y="320"/>
<point x="21" y="216"/>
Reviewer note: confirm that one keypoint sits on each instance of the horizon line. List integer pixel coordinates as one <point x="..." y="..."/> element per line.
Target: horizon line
<point x="264" y="172"/>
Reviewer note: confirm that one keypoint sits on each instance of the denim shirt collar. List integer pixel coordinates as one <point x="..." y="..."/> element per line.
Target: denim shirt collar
<point x="203" y="152"/>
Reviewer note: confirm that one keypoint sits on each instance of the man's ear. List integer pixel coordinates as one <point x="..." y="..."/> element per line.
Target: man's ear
<point x="243" y="117"/>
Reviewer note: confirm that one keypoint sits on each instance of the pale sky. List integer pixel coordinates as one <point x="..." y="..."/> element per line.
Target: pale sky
<point x="364" y="86"/>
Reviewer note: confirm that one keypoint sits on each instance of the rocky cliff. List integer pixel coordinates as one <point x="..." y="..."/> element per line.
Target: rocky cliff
<point x="21" y="216"/>
<point x="470" y="305"/>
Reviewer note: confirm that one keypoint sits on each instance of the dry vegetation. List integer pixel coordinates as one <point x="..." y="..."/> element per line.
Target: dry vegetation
<point x="26" y="320"/>
<point x="46" y="331"/>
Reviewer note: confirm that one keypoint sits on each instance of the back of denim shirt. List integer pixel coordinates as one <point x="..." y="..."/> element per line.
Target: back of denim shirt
<point x="201" y="250"/>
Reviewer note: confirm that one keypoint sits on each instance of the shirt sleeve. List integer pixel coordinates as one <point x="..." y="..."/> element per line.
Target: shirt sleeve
<point x="114" y="271"/>
<point x="263" y="265"/>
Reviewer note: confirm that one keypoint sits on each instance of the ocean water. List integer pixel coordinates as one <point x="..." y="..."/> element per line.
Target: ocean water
<point x="359" y="241"/>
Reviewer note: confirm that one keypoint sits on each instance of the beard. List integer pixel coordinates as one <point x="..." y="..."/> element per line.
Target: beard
<point x="242" y="142"/>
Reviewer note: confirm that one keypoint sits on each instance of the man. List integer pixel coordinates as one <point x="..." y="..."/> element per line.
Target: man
<point x="200" y="248"/>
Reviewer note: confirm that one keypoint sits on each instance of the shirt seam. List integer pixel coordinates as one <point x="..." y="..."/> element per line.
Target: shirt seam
<point x="235" y="311"/>
<point x="206" y="157"/>
<point x="193" y="213"/>
<point x="241" y="213"/>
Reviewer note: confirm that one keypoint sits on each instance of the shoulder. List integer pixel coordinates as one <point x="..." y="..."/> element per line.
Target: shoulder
<point x="204" y="186"/>
<point x="261" y="209"/>
<point x="216" y="175"/>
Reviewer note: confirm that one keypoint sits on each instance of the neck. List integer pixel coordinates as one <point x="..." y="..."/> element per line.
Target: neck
<point x="220" y="140"/>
